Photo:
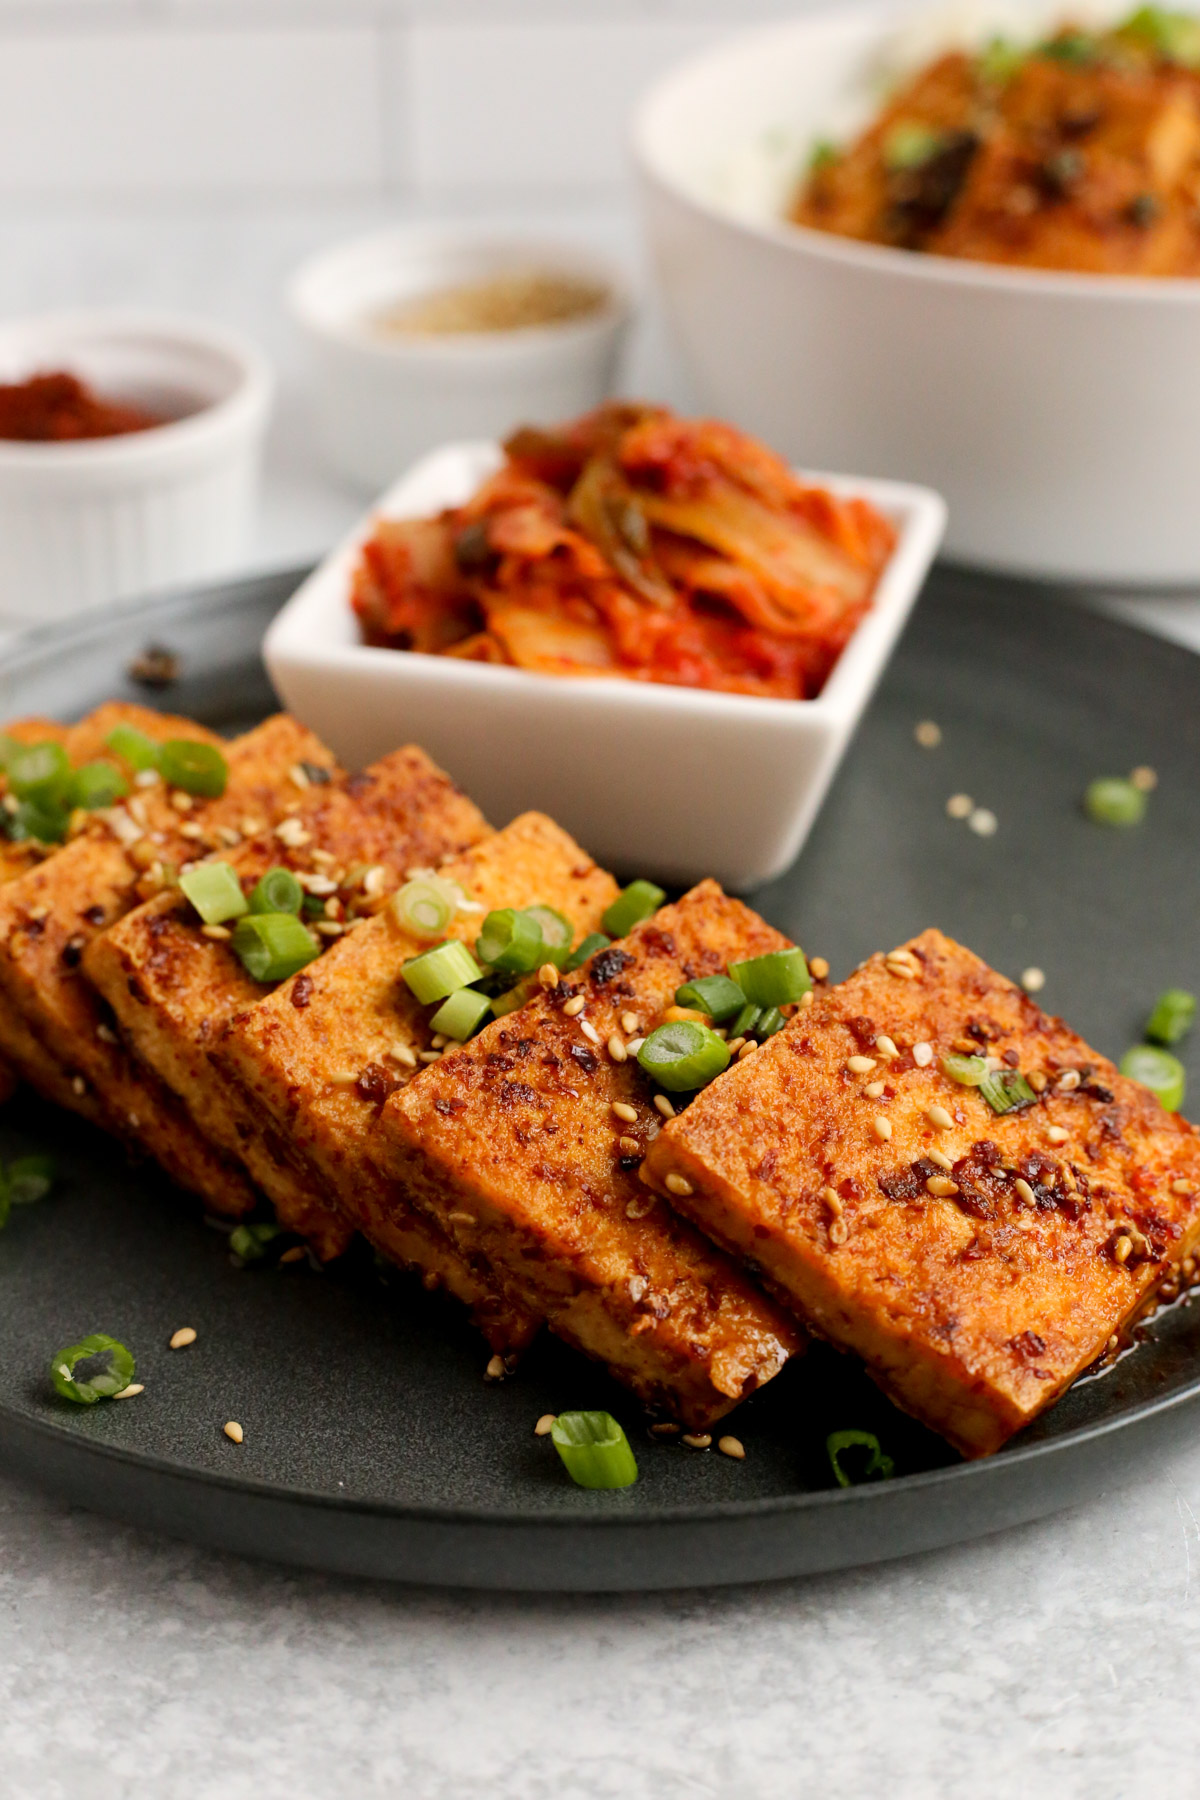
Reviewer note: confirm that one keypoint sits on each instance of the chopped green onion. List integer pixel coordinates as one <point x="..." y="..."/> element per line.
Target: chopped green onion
<point x="424" y="907"/>
<point x="441" y="971"/>
<point x="40" y="772"/>
<point x="29" y="1179"/>
<point x="32" y="820"/>
<point x="909" y="145"/>
<point x="823" y="155"/>
<point x="633" y="904"/>
<point x="557" y="931"/>
<point x="97" y="784"/>
<point x="877" y="1466"/>
<point x="1000" y="60"/>
<point x="683" y="1055"/>
<point x="251" y="1242"/>
<point x="774" y="980"/>
<point x="1175" y="36"/>
<point x="715" y="995"/>
<point x="1006" y="1090"/>
<point x="273" y="946"/>
<point x="134" y="747"/>
<point x="313" y="907"/>
<point x="1111" y="800"/>
<point x="510" y="942"/>
<point x="595" y="940"/>
<point x="515" y="997"/>
<point x="1173" y="1016"/>
<point x="278" y="892"/>
<point x="461" y="1014"/>
<point x="746" y="1020"/>
<point x="194" y="767"/>
<point x="215" y="891"/>
<point x="594" y="1450"/>
<point x="968" y="1071"/>
<point x="94" y="1369"/>
<point x="771" y="1022"/>
<point x="1070" y="47"/>
<point x="8" y="749"/>
<point x="1158" y="1070"/>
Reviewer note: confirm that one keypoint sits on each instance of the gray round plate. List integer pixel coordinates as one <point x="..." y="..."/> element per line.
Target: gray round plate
<point x="372" y="1444"/>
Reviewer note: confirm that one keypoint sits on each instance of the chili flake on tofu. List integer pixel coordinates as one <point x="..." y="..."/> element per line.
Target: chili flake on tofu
<point x="633" y="543"/>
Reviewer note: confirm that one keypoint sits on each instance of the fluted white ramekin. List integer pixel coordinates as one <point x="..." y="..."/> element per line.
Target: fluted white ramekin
<point x="89" y="522"/>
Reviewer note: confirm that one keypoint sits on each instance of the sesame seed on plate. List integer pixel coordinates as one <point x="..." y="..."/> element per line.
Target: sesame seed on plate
<point x="748" y="1049"/>
<point x="927" y="734"/>
<point x="574" y="1006"/>
<point x="548" y="975"/>
<point x="941" y="1187"/>
<point x="960" y="806"/>
<point x="180" y="1339"/>
<point x="939" y="1118"/>
<point x="983" y="822"/>
<point x="430" y="1056"/>
<point x="629" y="1146"/>
<point x="629" y="1023"/>
<point x="886" y="1047"/>
<point x="941" y="1159"/>
<point x="839" y="1231"/>
<point x="1033" y="980"/>
<point x="731" y="1446"/>
<point x="233" y="1431"/>
<point x="922" y="1055"/>
<point x="625" y="1112"/>
<point x="495" y="1370"/>
<point x="697" y="1440"/>
<point x="545" y="1425"/>
<point x="616" y="1049"/>
<point x="128" y="1393"/>
<point x="818" y="968"/>
<point x="1144" y="778"/>
<point x="663" y="1105"/>
<point x="1026" y="1193"/>
<point x="881" y="1127"/>
<point x="860" y="1065"/>
<point x="297" y="1253"/>
<point x="678" y="1184"/>
<point x="1069" y="1080"/>
<point x="589" y="1032"/>
<point x="875" y="1089"/>
<point x="1058" y="1134"/>
<point x="833" y="1200"/>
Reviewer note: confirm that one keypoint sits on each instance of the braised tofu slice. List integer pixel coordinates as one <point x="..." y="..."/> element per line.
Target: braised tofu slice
<point x="515" y="1145"/>
<point x="49" y="915"/>
<point x="977" y="1260"/>
<point x="172" y="985"/>
<point x="320" y="1055"/>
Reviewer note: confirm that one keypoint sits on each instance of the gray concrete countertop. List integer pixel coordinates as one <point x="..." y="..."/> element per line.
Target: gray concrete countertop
<point x="1055" y="1660"/>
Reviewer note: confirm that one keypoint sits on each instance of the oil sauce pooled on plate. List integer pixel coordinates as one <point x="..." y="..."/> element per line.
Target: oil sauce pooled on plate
<point x="519" y="301"/>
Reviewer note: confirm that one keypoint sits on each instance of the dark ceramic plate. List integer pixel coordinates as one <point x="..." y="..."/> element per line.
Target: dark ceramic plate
<point x="372" y="1444"/>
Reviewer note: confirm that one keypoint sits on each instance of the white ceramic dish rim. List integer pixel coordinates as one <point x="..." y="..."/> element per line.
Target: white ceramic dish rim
<point x="466" y="346"/>
<point x="909" y="265"/>
<point x="251" y="393"/>
<point x="919" y="514"/>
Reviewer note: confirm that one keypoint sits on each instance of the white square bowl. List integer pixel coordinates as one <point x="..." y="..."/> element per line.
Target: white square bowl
<point x="654" y="780"/>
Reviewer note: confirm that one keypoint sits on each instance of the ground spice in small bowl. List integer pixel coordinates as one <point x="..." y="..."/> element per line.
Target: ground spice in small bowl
<point x="57" y="407"/>
<point x="515" y="302"/>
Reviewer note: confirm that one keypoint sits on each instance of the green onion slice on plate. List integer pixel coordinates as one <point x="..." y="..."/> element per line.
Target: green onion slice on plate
<point x="746" y="1021"/>
<point x="44" y="823"/>
<point x="683" y="1055"/>
<point x="273" y="946"/>
<point x="715" y="995"/>
<point x="968" y="1071"/>
<point x="638" y="901"/>
<point x="1173" y="1016"/>
<point x="867" y="1460"/>
<point x="461" y="1014"/>
<point x="424" y="907"/>
<point x="1158" y="1070"/>
<point x="40" y="772"/>
<point x="771" y="1022"/>
<point x="97" y="784"/>
<point x="215" y="891"/>
<point x="594" y="941"/>
<point x="29" y="1179"/>
<point x="251" y="1242"/>
<point x="196" y="768"/>
<point x="514" y="997"/>
<point x="774" y="980"/>
<point x="557" y="933"/>
<point x="441" y="971"/>
<point x="134" y="747"/>
<point x="277" y="892"/>
<point x="94" y="1369"/>
<point x="1111" y="800"/>
<point x="510" y="942"/>
<point x="1006" y="1090"/>
<point x="595" y="1451"/>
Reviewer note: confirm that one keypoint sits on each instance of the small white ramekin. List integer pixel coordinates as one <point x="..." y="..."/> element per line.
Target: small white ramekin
<point x="384" y="400"/>
<point x="89" y="522"/>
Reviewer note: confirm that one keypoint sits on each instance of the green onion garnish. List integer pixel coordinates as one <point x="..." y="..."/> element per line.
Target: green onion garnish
<point x="877" y="1466"/>
<point x="441" y="971"/>
<point x="557" y="931"/>
<point x="215" y="891"/>
<point x="999" y="60"/>
<point x="510" y="942"/>
<point x="515" y="997"/>
<point x="683" y="1055"/>
<point x="771" y="1022"/>
<point x="40" y="772"/>
<point x="94" y="1369"/>
<point x="715" y="995"/>
<point x="1158" y="1070"/>
<point x="745" y="1022"/>
<point x="196" y="768"/>
<point x="277" y="892"/>
<point x="97" y="784"/>
<point x="909" y="145"/>
<point x="968" y="1071"/>
<point x="461" y="1014"/>
<point x="272" y="946"/>
<point x="823" y="155"/>
<point x="1111" y="800"/>
<point x="1173" y="1016"/>
<point x="594" y="1450"/>
<point x="424" y="907"/>
<point x="633" y="904"/>
<point x="134" y="747"/>
<point x="595" y="940"/>
<point x="1006" y="1090"/>
<point x="44" y="824"/>
<point x="29" y="1179"/>
<point x="251" y="1242"/>
<point x="1070" y="47"/>
<point x="774" y="980"/>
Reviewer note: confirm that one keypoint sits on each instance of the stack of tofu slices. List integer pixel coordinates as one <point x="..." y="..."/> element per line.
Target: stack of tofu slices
<point x="832" y="1182"/>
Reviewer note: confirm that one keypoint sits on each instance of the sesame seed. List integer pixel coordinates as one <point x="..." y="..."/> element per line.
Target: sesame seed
<point x="403" y="1055"/>
<point x="461" y="1218"/>
<point x="624" y="1111"/>
<point x="373" y="881"/>
<point x="731" y="1446"/>
<point x="298" y="775"/>
<point x="180" y="1339"/>
<point x="147" y="778"/>
<point x="663" y="1105"/>
<point x="665" y="1430"/>
<point x="922" y="1055"/>
<point x="638" y="1207"/>
<point x="325" y="857"/>
<point x="860" y="1065"/>
<point x="1189" y="1266"/>
<point x="251" y="827"/>
<point x="329" y="928"/>
<point x="1033" y="980"/>
<point x="629" y="1023"/>
<point x="1069" y="1080"/>
<point x="589" y="1032"/>
<point x="180" y="801"/>
<point x="128" y="1393"/>
<point x="927" y="734"/>
<point x="228" y="837"/>
<point x="983" y="822"/>
<point x="941" y="1159"/>
<point x="1123" y="1249"/>
<point x="735" y="1045"/>
<point x="1113" y="1342"/>
<point x="629" y="1146"/>
<point x="1058" y="1134"/>
<point x="939" y="1118"/>
<point x="960" y="806"/>
<point x="748" y="1049"/>
<point x="545" y="1425"/>
<point x="678" y="1184"/>
<point x="1037" y="1081"/>
<point x="191" y="831"/>
<point x="903" y="971"/>
<point x="1144" y="778"/>
<point x="574" y="1007"/>
<point x="292" y="833"/>
<point x="637" y="1287"/>
<point x="875" y="1089"/>
<point x="106" y="1034"/>
<point x="818" y="968"/>
<point x="430" y="1056"/>
<point x="343" y="1078"/>
<point x="833" y="1200"/>
<point x="886" y="1048"/>
<point x="495" y="1370"/>
<point x="1023" y="1189"/>
<point x="78" y="1085"/>
<point x="233" y="1431"/>
<point x="218" y="933"/>
<point x="806" y="999"/>
<point x="616" y="1049"/>
<point x="1181" y="1187"/>
<point x="941" y="1187"/>
<point x="697" y="1440"/>
<point x="881" y="1127"/>
<point x="296" y="1254"/>
<point x="839" y="1231"/>
<point x="548" y="976"/>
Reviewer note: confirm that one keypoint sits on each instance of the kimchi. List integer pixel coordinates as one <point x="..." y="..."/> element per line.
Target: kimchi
<point x="631" y="543"/>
